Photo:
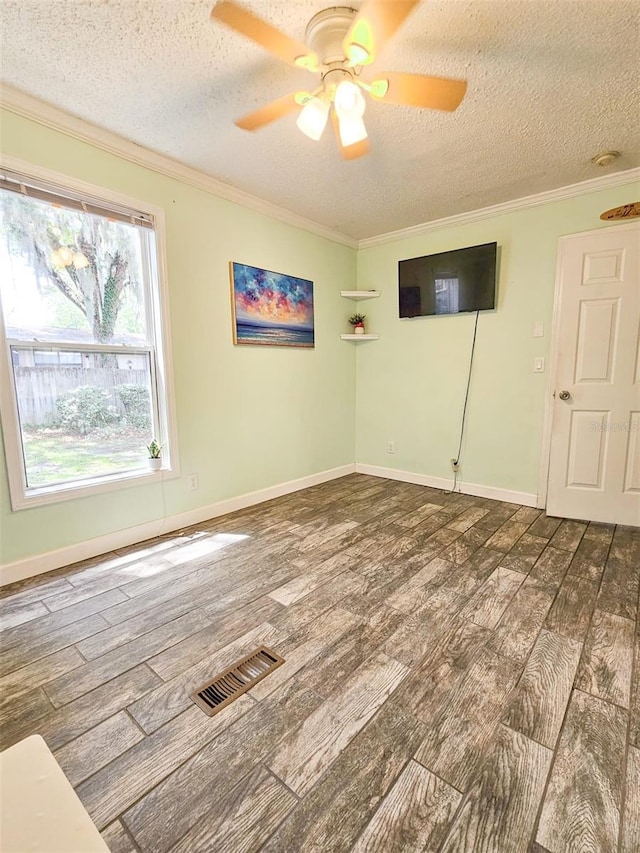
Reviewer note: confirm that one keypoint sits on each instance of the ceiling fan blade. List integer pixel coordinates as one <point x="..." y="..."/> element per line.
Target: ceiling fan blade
<point x="416" y="90"/>
<point x="245" y="22"/>
<point x="375" y="24"/>
<point x="270" y="112"/>
<point x="349" y="152"/>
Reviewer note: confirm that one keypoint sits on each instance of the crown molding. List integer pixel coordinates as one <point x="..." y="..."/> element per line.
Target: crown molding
<point x="27" y="106"/>
<point x="19" y="102"/>
<point x="603" y="182"/>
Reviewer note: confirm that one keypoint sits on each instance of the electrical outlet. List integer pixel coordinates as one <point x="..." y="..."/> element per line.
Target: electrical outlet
<point x="193" y="482"/>
<point x="455" y="466"/>
<point x="391" y="447"/>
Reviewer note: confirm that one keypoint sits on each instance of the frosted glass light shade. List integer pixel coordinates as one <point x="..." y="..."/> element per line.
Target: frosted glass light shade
<point x="352" y="130"/>
<point x="349" y="101"/>
<point x="313" y="118"/>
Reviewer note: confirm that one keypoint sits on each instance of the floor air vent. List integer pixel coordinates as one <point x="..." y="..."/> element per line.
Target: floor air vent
<point x="236" y="680"/>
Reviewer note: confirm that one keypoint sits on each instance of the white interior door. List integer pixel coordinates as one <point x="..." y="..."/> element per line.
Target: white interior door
<point x="594" y="470"/>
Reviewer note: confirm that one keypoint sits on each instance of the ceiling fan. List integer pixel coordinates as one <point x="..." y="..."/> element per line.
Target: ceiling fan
<point x="340" y="43"/>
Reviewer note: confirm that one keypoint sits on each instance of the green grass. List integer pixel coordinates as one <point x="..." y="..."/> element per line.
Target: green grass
<point x="53" y="456"/>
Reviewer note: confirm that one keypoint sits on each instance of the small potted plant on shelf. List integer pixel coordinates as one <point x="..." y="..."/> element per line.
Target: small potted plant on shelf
<point x="357" y="321"/>
<point x="155" y="455"/>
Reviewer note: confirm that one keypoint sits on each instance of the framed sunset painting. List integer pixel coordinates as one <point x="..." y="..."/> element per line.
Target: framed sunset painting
<point x="271" y="308"/>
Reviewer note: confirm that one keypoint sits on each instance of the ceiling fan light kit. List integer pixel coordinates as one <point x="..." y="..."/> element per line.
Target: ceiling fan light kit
<point x="349" y="105"/>
<point x="340" y="41"/>
<point x="351" y="131"/>
<point x="313" y="117"/>
<point x="348" y="100"/>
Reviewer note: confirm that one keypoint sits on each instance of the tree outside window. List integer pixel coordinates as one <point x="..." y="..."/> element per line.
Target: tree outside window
<point x="75" y="287"/>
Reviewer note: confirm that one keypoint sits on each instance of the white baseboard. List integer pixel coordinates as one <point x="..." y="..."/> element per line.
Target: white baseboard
<point x="40" y="563"/>
<point x="523" y="498"/>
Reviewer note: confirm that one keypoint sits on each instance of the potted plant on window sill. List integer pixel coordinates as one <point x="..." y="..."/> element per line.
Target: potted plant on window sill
<point x="155" y="455"/>
<point x="357" y="321"/>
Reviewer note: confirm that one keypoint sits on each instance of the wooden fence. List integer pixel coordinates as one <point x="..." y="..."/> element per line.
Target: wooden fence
<point x="38" y="388"/>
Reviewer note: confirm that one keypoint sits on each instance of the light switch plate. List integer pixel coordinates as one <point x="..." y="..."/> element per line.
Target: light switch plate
<point x="538" y="364"/>
<point x="538" y="329"/>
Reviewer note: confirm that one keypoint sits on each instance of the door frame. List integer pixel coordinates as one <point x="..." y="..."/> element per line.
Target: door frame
<point x="554" y="354"/>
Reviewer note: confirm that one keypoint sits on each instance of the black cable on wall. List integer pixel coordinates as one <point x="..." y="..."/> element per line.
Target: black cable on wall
<point x="466" y="399"/>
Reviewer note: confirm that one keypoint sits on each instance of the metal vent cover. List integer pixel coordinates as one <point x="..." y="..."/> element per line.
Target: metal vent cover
<point x="232" y="682"/>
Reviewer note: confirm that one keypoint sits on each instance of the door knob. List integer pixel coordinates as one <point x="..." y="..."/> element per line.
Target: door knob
<point x="564" y="395"/>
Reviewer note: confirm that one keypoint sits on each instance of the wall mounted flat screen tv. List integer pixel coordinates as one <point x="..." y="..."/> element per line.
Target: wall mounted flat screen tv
<point x="449" y="282"/>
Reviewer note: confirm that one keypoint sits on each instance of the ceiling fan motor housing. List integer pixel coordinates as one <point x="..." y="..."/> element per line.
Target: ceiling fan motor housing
<point x="339" y="42"/>
<point x="326" y="31"/>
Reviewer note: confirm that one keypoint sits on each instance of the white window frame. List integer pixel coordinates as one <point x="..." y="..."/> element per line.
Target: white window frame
<point x="23" y="497"/>
<point x="451" y="285"/>
<point x="53" y="349"/>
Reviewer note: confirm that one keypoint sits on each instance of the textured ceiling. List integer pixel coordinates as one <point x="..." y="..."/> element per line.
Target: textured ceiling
<point x="551" y="83"/>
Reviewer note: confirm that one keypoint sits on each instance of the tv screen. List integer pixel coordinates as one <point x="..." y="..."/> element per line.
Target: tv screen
<point x="448" y="283"/>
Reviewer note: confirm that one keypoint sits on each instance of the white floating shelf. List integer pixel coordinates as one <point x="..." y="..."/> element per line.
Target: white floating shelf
<point x="359" y="337"/>
<point x="357" y="295"/>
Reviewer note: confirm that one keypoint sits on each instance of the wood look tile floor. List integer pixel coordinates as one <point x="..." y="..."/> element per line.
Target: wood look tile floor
<point x="461" y="675"/>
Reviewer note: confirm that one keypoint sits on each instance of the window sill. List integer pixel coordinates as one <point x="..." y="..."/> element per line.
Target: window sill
<point x="86" y="488"/>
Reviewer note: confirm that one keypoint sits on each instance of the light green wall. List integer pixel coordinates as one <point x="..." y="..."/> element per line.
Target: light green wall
<point x="252" y="417"/>
<point x="248" y="417"/>
<point x="411" y="383"/>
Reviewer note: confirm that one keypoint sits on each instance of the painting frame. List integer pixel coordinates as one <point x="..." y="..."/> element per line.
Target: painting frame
<point x="269" y="308"/>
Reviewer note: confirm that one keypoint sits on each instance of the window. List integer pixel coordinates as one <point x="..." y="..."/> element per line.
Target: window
<point x="54" y="357"/>
<point x="446" y="295"/>
<point x="81" y="319"/>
